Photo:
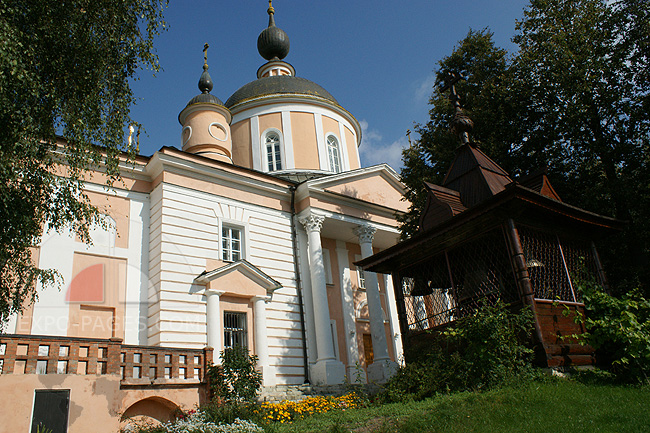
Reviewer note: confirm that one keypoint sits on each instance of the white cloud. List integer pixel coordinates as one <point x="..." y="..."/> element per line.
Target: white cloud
<point x="374" y="151"/>
<point x="424" y="89"/>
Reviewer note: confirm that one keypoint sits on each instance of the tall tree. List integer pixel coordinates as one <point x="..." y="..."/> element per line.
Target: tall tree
<point x="65" y="69"/>
<point x="574" y="98"/>
<point x="582" y="69"/>
<point x="483" y="97"/>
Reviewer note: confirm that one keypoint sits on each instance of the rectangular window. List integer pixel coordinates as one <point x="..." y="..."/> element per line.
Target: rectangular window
<point x="231" y="244"/>
<point x="51" y="410"/>
<point x="360" y="275"/>
<point x="234" y="330"/>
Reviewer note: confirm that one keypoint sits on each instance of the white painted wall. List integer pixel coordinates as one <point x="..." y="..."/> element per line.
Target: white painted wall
<point x="184" y="235"/>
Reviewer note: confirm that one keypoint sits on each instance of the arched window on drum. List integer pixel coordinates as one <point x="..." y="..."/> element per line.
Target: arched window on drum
<point x="334" y="153"/>
<point x="273" y="149"/>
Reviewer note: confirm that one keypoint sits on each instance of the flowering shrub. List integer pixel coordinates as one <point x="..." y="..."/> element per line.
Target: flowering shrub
<point x="195" y="422"/>
<point x="288" y="411"/>
<point x="237" y="378"/>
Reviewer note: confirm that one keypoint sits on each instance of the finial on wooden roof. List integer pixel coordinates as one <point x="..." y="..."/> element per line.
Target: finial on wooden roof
<point x="461" y="124"/>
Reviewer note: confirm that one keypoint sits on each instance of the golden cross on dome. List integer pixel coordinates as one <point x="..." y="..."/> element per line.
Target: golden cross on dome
<point x="205" y="53"/>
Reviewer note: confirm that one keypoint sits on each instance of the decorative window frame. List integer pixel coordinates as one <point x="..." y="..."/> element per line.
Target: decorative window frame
<point x="342" y="168"/>
<point x="264" y="154"/>
<point x="245" y="237"/>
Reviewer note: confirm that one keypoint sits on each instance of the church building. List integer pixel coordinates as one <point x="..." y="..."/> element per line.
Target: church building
<point x="245" y="235"/>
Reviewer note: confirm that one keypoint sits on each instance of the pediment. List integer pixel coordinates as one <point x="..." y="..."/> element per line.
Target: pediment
<point x="241" y="279"/>
<point x="379" y="185"/>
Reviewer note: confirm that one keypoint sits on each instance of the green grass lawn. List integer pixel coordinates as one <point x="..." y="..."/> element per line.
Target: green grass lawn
<point x="551" y="406"/>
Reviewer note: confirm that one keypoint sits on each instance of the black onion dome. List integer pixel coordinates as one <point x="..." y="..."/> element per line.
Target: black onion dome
<point x="205" y="98"/>
<point x="273" y="42"/>
<point x="278" y="85"/>
<point x="205" y="86"/>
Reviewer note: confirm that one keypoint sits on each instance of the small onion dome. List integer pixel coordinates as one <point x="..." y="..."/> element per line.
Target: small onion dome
<point x="205" y="86"/>
<point x="273" y="42"/>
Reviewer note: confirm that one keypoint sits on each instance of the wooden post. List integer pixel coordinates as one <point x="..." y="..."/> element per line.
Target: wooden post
<point x="523" y="279"/>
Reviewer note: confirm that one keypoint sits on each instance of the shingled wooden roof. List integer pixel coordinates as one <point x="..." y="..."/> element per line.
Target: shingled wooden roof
<point x="475" y="176"/>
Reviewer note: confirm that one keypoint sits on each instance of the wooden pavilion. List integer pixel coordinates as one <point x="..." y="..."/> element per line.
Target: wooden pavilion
<point x="485" y="237"/>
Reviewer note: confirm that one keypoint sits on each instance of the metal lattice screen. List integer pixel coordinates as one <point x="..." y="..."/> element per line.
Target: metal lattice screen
<point x="455" y="282"/>
<point x="556" y="265"/>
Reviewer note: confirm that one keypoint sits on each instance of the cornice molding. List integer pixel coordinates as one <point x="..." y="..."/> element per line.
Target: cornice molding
<point x="169" y="163"/>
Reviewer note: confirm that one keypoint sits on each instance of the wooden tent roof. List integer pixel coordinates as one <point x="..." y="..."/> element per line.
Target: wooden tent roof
<point x="475" y="175"/>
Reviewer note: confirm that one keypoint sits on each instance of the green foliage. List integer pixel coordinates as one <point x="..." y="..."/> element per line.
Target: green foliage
<point x="483" y="350"/>
<point x="575" y="98"/>
<point x="236" y="379"/>
<point x="42" y="429"/>
<point x="619" y="330"/>
<point x="226" y="412"/>
<point x="532" y="407"/>
<point x="65" y="69"/>
<point x="428" y="158"/>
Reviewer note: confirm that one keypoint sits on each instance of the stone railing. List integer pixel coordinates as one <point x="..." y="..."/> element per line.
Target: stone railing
<point x="136" y="365"/>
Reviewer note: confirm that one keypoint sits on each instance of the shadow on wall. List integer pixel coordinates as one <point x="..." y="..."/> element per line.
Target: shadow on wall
<point x="353" y="193"/>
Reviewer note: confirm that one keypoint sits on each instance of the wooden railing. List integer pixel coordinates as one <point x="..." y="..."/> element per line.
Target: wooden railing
<point x="136" y="365"/>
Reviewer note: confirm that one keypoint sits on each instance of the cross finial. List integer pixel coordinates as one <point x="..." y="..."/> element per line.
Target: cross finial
<point x="270" y="10"/>
<point x="205" y="54"/>
<point x="449" y="83"/>
<point x="408" y="134"/>
<point x="461" y="124"/>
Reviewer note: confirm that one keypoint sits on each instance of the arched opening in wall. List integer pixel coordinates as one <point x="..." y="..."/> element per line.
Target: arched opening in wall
<point x="149" y="411"/>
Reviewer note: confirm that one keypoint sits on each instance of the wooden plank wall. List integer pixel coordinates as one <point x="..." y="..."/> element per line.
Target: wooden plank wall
<point x="558" y="324"/>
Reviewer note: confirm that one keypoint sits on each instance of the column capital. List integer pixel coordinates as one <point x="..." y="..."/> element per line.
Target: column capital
<point x="366" y="233"/>
<point x="266" y="299"/>
<point x="312" y="223"/>
<point x="210" y="292"/>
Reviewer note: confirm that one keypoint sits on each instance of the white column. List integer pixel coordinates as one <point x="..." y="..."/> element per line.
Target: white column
<point x="349" y="323"/>
<point x="382" y="367"/>
<point x="213" y="319"/>
<point x="261" y="340"/>
<point x="392" y="316"/>
<point x="327" y="370"/>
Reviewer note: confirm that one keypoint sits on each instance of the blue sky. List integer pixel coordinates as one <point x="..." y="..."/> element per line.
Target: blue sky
<point x="375" y="57"/>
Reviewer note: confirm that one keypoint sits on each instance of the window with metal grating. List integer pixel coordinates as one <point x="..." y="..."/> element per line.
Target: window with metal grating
<point x="234" y="330"/>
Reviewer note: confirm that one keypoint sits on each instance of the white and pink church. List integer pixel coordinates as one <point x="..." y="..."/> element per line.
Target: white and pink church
<point x="245" y="235"/>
